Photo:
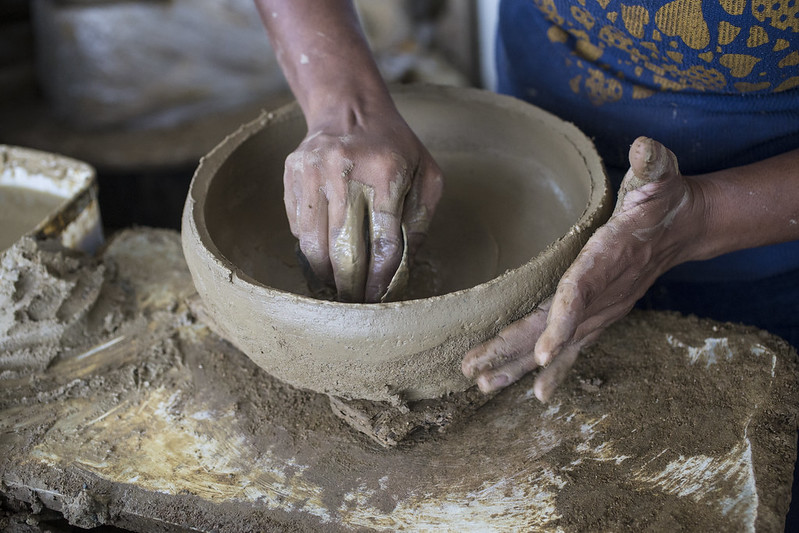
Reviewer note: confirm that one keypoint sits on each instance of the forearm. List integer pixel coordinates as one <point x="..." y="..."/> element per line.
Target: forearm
<point x="749" y="206"/>
<point x="323" y="53"/>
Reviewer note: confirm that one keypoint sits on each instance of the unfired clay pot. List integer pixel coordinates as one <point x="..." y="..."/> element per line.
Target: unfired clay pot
<point x="523" y="191"/>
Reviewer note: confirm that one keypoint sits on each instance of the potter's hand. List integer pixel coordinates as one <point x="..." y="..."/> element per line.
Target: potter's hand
<point x="360" y="174"/>
<point x="356" y="179"/>
<point x="643" y="238"/>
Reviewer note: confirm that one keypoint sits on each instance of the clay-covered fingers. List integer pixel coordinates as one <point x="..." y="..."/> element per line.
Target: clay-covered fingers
<point x="344" y="204"/>
<point x="385" y="203"/>
<point x="616" y="266"/>
<point x="551" y="376"/>
<point x="306" y="207"/>
<point x="421" y="201"/>
<point x="578" y="299"/>
<point x="564" y="317"/>
<point x="508" y="356"/>
<point x="650" y="162"/>
<point x="354" y="188"/>
<point x="613" y="270"/>
<point x="410" y="200"/>
<point x="386" y="246"/>
<point x="347" y="240"/>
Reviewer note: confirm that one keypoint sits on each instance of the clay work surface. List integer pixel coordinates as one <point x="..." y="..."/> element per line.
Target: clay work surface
<point x="142" y="418"/>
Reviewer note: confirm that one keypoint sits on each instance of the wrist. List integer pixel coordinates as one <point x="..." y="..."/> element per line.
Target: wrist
<point x="699" y="243"/>
<point x="343" y="104"/>
<point x="688" y="229"/>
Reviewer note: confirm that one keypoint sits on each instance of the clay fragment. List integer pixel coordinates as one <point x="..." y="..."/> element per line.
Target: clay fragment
<point x="391" y="425"/>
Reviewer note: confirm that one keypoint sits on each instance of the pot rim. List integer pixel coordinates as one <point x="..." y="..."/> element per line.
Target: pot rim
<point x="596" y="206"/>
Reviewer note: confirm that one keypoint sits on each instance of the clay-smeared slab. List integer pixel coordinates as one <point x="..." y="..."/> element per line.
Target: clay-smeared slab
<point x="668" y="423"/>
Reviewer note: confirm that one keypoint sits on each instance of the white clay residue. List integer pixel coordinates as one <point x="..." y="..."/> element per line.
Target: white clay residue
<point x="712" y="352"/>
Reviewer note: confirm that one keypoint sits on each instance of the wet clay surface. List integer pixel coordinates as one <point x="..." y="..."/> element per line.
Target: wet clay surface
<point x="498" y="213"/>
<point x="388" y="423"/>
<point x="150" y="421"/>
<point x="21" y="210"/>
<point x="49" y="302"/>
<point x="54" y="195"/>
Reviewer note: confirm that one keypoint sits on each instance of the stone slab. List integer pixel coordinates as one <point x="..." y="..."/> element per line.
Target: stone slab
<point x="667" y="423"/>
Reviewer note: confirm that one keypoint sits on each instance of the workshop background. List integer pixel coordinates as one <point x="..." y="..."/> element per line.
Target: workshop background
<point x="141" y="89"/>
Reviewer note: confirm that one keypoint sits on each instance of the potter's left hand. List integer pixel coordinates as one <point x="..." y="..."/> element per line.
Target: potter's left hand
<point x="644" y="237"/>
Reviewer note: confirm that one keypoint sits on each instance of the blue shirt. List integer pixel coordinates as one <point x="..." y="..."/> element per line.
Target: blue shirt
<point x="716" y="81"/>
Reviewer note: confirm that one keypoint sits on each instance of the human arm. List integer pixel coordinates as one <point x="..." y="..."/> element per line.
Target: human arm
<point x="661" y="220"/>
<point x="359" y="160"/>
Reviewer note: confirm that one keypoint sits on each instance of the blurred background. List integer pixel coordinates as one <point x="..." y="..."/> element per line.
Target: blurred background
<point x="141" y="89"/>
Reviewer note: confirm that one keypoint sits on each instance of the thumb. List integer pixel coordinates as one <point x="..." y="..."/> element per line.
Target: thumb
<point x="650" y="162"/>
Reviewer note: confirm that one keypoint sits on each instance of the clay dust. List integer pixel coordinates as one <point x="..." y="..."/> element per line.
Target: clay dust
<point x="148" y="420"/>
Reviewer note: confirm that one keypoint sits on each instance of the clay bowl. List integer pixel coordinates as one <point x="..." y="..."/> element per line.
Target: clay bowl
<point x="523" y="191"/>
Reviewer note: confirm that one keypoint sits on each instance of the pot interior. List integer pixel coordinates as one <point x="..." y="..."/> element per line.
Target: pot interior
<point x="514" y="183"/>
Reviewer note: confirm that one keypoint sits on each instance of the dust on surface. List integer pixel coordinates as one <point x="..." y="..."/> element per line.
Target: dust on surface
<point x="148" y="421"/>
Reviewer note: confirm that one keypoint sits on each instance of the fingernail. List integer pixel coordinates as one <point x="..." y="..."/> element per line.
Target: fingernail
<point x="542" y="359"/>
<point x="486" y="384"/>
<point x="467" y="370"/>
<point x="541" y="392"/>
<point x="499" y="381"/>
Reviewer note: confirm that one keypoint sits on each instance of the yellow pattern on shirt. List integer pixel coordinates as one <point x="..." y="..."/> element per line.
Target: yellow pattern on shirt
<point x="730" y="55"/>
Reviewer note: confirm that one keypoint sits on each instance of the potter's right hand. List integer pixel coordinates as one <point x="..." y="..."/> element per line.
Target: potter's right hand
<point x="358" y="176"/>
